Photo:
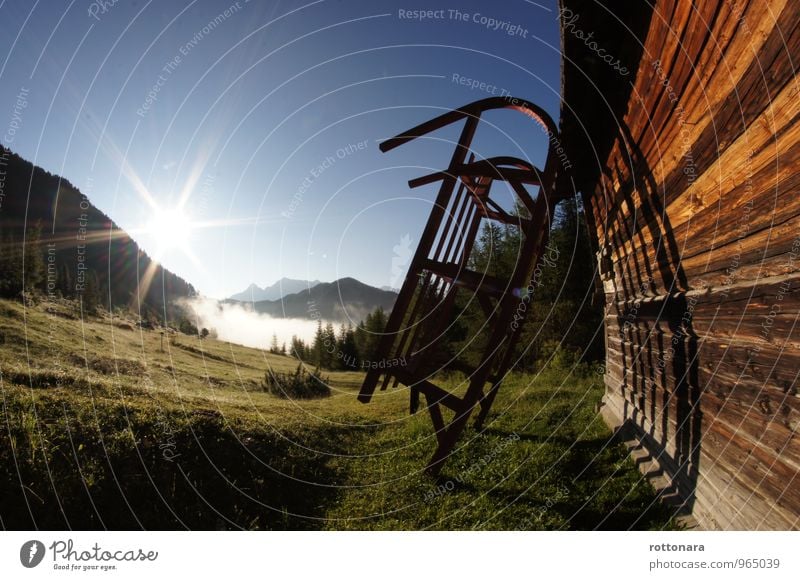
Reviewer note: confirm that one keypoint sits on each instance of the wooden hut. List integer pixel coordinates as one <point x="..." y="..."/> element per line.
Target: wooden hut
<point x="680" y="122"/>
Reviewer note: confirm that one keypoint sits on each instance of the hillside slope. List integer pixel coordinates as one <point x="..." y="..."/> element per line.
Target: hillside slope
<point x="87" y="247"/>
<point x="102" y="427"/>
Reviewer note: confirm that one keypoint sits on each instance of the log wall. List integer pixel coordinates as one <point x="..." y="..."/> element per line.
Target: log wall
<point x="689" y="170"/>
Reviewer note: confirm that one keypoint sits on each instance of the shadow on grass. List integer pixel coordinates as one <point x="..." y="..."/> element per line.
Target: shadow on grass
<point x="600" y="485"/>
<point x="68" y="468"/>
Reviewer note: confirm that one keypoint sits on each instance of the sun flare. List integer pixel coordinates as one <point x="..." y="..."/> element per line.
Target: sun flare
<point x="169" y="229"/>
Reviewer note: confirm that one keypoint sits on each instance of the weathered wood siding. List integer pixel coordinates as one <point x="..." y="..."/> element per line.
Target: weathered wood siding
<point x="689" y="169"/>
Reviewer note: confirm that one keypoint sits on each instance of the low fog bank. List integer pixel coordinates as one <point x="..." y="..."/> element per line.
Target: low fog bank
<point x="236" y="323"/>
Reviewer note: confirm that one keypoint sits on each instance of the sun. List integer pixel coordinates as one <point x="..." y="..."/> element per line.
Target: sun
<point x="169" y="229"/>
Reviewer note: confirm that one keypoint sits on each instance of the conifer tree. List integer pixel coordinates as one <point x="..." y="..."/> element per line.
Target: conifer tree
<point x="33" y="266"/>
<point x="10" y="266"/>
<point x="64" y="283"/>
<point x="91" y="296"/>
<point x="348" y="348"/>
<point x="317" y="347"/>
<point x="362" y="339"/>
<point x="273" y="347"/>
<point x="329" y="347"/>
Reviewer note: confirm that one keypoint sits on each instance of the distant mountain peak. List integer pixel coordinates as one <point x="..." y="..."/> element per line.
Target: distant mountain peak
<point x="275" y="291"/>
<point x="286" y="280"/>
<point x="348" y="280"/>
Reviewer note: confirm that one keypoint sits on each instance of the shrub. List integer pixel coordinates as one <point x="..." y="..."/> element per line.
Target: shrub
<point x="108" y="366"/>
<point x="187" y="327"/>
<point x="297" y="385"/>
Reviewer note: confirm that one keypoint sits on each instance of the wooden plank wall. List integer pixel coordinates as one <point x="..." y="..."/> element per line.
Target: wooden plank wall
<point x="697" y="217"/>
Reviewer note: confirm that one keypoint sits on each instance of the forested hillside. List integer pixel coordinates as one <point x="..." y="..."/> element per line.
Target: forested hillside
<point x="54" y="240"/>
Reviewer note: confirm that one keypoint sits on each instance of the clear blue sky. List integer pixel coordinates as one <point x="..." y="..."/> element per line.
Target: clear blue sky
<point x="248" y="108"/>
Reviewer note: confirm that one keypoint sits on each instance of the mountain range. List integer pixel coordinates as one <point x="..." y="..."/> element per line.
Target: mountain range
<point x="276" y="291"/>
<point x="344" y="300"/>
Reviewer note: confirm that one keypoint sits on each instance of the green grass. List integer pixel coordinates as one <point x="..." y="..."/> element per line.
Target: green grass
<point x="102" y="429"/>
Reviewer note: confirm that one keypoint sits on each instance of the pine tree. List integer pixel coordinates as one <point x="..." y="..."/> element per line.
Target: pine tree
<point x="338" y="361"/>
<point x="10" y="266"/>
<point x="329" y="347"/>
<point x="91" y="294"/>
<point x="348" y="348"/>
<point x="362" y="339"/>
<point x="64" y="283"/>
<point x="273" y="348"/>
<point x="299" y="348"/>
<point x="376" y="324"/>
<point x="317" y="347"/>
<point x="34" y="269"/>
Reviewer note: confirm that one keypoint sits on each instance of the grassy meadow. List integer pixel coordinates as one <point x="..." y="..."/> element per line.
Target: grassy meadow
<point x="101" y="427"/>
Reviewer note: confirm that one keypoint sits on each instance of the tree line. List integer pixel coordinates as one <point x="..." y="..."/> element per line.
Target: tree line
<point x="29" y="268"/>
<point x="564" y="313"/>
<point x="345" y="348"/>
<point x="26" y="266"/>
